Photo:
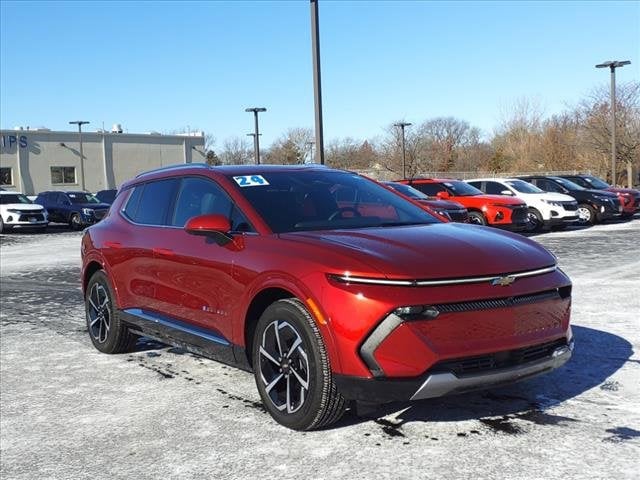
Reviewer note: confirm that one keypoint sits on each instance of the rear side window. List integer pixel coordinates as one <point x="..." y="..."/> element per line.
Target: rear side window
<point x="493" y="188"/>
<point x="149" y="204"/>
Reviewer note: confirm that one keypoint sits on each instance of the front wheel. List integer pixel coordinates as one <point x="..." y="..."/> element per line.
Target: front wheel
<point x="292" y="369"/>
<point x="75" y="222"/>
<point x="477" y="218"/>
<point x="586" y="214"/>
<point x="535" y="222"/>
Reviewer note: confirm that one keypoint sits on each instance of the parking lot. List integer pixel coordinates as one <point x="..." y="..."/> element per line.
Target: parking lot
<point x="68" y="411"/>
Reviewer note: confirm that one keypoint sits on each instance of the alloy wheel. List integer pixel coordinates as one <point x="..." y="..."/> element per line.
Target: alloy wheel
<point x="99" y="313"/>
<point x="584" y="215"/>
<point x="284" y="366"/>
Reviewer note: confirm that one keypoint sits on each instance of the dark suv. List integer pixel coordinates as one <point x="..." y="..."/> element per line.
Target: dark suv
<point x="593" y="205"/>
<point x="78" y="209"/>
<point x="629" y="197"/>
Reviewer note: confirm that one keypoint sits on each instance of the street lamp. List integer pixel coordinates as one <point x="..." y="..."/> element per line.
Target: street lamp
<point x="402" y="126"/>
<point x="612" y="66"/>
<point x="80" y="123"/>
<point x="310" y="144"/>
<point x="256" y="140"/>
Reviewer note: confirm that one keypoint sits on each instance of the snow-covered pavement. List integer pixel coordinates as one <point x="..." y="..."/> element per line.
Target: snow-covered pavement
<point x="67" y="411"/>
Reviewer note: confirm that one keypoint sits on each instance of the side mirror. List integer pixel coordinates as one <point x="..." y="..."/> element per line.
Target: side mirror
<point x="506" y="192"/>
<point x="214" y="226"/>
<point x="443" y="195"/>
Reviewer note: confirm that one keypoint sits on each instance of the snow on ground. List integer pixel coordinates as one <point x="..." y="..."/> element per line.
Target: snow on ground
<point x="67" y="411"/>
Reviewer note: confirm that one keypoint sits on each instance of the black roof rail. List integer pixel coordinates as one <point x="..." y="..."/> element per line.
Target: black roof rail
<point x="178" y="166"/>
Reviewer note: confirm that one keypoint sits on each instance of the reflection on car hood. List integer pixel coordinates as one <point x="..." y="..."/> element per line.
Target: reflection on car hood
<point x="433" y="251"/>
<point x="24" y="206"/>
<point x="93" y="206"/>
<point x="442" y="204"/>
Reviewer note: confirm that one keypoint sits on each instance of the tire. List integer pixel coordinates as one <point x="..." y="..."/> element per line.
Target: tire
<point x="107" y="331"/>
<point x="1" y="225"/>
<point x="75" y="222"/>
<point x="535" y="223"/>
<point x="281" y="379"/>
<point x="477" y="218"/>
<point x="586" y="214"/>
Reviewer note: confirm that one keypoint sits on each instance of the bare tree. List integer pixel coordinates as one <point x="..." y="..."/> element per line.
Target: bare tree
<point x="291" y="148"/>
<point x="236" y="151"/>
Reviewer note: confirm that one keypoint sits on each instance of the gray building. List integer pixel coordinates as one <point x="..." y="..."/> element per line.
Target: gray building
<point x="32" y="161"/>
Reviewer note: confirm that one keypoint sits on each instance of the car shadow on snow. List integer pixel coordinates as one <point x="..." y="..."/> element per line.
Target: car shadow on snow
<point x="597" y="356"/>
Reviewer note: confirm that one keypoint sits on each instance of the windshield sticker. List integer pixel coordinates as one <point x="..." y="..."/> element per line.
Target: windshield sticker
<point x="250" y="180"/>
<point x="450" y="185"/>
<point x="72" y="195"/>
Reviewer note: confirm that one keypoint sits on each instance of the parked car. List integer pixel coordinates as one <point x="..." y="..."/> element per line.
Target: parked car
<point x="78" y="209"/>
<point x="629" y="197"/>
<point x="260" y="266"/>
<point x="107" y="196"/>
<point x="452" y="211"/>
<point x="17" y="211"/>
<point x="593" y="205"/>
<point x="497" y="211"/>
<point x="546" y="209"/>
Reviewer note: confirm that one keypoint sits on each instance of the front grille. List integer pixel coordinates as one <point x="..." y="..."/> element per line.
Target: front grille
<point x="500" y="302"/>
<point x="461" y="216"/>
<point x="494" y="361"/>
<point x="519" y="215"/>
<point x="571" y="206"/>
<point x="25" y="218"/>
<point x="99" y="214"/>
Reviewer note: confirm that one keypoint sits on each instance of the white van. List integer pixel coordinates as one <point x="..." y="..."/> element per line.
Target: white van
<point x="546" y="209"/>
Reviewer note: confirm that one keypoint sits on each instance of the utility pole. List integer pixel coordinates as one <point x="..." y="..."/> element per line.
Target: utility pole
<point x="317" y="88"/>
<point x="612" y="66"/>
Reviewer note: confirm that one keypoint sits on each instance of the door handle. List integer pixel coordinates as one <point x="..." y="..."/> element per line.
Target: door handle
<point x="165" y="252"/>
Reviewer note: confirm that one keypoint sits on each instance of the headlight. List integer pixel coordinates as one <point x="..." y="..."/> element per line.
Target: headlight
<point x="602" y="199"/>
<point x="88" y="211"/>
<point x="13" y="210"/>
<point x="552" y="203"/>
<point x="444" y="213"/>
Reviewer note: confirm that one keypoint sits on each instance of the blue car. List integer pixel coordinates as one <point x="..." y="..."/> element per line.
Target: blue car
<point x="78" y="209"/>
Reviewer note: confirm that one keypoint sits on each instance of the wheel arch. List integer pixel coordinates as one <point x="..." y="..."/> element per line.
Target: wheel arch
<point x="92" y="267"/>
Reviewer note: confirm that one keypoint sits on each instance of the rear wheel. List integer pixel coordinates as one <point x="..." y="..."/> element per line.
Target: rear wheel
<point x="292" y="369"/>
<point x="477" y="218"/>
<point x="1" y="225"/>
<point x="107" y="331"/>
<point x="586" y="214"/>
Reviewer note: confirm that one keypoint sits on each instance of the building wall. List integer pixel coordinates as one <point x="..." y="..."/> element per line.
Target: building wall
<point x="109" y="158"/>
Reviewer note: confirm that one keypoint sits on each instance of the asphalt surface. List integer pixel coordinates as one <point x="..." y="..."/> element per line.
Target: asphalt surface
<point x="70" y="412"/>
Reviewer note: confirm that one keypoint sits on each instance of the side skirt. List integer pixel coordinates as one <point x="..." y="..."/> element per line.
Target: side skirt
<point x="199" y="341"/>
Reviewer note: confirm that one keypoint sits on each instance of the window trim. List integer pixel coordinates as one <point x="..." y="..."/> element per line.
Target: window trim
<point x="75" y="177"/>
<point x="12" y="184"/>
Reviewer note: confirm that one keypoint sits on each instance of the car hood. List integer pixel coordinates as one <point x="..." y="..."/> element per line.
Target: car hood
<point x="602" y="193"/>
<point x="435" y="251"/>
<point x="552" y="196"/>
<point x="93" y="206"/>
<point x="442" y="204"/>
<point x="632" y="191"/>
<point x="24" y="206"/>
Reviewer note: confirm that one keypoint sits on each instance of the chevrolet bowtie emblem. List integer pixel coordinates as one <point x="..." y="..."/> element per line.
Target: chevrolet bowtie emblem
<point x="503" y="281"/>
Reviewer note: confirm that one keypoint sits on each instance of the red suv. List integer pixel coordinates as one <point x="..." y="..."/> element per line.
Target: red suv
<point x="326" y="301"/>
<point x="495" y="210"/>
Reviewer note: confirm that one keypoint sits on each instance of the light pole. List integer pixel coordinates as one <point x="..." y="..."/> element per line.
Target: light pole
<point x="612" y="66"/>
<point x="80" y="123"/>
<point x="317" y="88"/>
<point x="310" y="144"/>
<point x="256" y="134"/>
<point x="402" y="126"/>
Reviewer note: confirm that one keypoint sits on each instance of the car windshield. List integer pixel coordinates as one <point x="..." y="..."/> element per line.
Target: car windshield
<point x="293" y="201"/>
<point x="595" y="182"/>
<point x="407" y="190"/>
<point x="461" y="189"/>
<point x="523" y="187"/>
<point x="81" y="197"/>
<point x="568" y="184"/>
<point x="13" y="198"/>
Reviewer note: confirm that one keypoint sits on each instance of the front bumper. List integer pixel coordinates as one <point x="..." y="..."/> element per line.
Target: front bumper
<point x="440" y="383"/>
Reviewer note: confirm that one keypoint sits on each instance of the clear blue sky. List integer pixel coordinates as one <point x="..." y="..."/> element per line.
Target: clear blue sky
<point x="167" y="65"/>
